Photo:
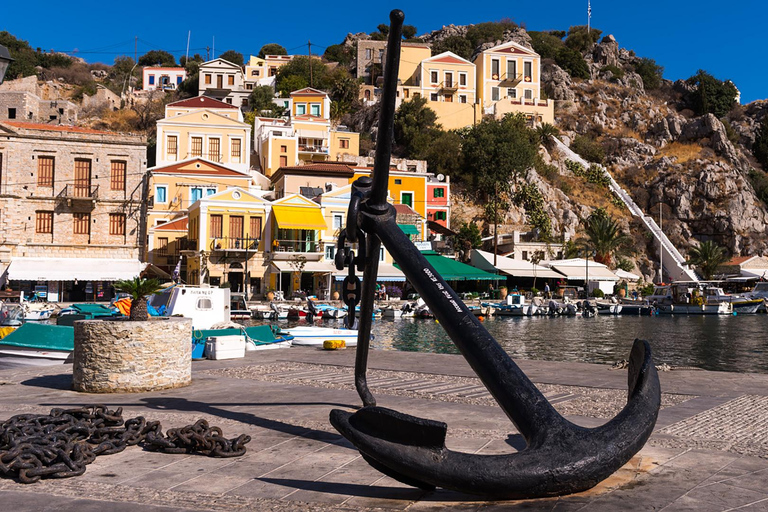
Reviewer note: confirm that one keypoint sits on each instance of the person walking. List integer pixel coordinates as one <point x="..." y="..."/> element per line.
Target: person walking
<point x="546" y="290"/>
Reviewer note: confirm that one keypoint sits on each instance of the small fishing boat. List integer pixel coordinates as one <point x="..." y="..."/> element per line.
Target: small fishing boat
<point x="315" y="336"/>
<point x="34" y="344"/>
<point x="37" y="312"/>
<point x="407" y="310"/>
<point x="238" y="309"/>
<point x="86" y="311"/>
<point x="257" y="337"/>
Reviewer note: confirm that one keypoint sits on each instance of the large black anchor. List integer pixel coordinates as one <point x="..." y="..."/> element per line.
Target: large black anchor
<point x="560" y="457"/>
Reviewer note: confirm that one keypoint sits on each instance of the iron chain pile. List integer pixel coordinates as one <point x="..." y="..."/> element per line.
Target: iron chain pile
<point x="62" y="443"/>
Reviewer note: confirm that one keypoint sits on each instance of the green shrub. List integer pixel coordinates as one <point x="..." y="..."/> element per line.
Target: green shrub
<point x="616" y="71"/>
<point x="598" y="176"/>
<point x="598" y="293"/>
<point x="588" y="148"/>
<point x="573" y="63"/>
<point x="759" y="182"/>
<point x="730" y="132"/>
<point x="534" y="291"/>
<point x="530" y="197"/>
<point x="624" y="264"/>
<point x="582" y="39"/>
<point x="575" y="167"/>
<point x="711" y="95"/>
<point x="650" y="72"/>
<point x="647" y="289"/>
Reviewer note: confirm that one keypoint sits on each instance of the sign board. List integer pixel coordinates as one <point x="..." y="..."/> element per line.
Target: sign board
<point x="423" y="246"/>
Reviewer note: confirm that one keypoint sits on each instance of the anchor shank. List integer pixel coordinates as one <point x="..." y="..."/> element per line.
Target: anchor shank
<point x="528" y="409"/>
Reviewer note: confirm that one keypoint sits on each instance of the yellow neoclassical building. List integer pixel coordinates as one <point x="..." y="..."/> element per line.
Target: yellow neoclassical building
<point x="308" y="136"/>
<point x="227" y="240"/>
<point x="509" y="81"/>
<point x="204" y="127"/>
<point x="171" y="190"/>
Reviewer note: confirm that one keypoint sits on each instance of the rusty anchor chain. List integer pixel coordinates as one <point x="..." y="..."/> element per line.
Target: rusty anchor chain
<point x="62" y="443"/>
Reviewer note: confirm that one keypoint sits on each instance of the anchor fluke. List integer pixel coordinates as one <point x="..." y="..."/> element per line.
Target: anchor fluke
<point x="564" y="458"/>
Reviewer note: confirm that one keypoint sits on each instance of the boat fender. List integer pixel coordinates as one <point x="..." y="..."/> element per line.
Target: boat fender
<point x="334" y="344"/>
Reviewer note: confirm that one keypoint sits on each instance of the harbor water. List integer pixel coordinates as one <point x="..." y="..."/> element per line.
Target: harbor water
<point x="710" y="342"/>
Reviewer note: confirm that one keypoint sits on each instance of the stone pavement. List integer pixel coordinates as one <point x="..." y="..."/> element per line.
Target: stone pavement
<point x="707" y="452"/>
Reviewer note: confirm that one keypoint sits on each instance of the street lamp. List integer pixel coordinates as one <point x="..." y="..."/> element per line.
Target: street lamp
<point x="5" y="61"/>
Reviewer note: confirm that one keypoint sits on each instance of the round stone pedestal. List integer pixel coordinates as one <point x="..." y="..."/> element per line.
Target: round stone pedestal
<point x="123" y="356"/>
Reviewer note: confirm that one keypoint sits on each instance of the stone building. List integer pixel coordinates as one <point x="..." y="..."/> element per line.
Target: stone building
<point x="26" y="106"/>
<point x="70" y="209"/>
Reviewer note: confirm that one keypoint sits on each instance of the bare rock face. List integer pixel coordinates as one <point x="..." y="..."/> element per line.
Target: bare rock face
<point x="557" y="83"/>
<point x="710" y="127"/>
<point x="606" y="53"/>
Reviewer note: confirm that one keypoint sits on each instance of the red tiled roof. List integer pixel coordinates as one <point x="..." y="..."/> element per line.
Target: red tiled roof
<point x="201" y="102"/>
<point x="198" y="166"/>
<point x="738" y="260"/>
<point x="161" y="67"/>
<point x="450" y="60"/>
<point x="57" y="128"/>
<point x="404" y="209"/>
<point x="308" y="91"/>
<point x="322" y="166"/>
<point x="175" y="225"/>
<point x="513" y="49"/>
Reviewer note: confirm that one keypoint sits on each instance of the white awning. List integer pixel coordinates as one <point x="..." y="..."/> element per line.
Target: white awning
<point x="759" y="273"/>
<point x="626" y="275"/>
<point x="311" y="134"/>
<point x="578" y="269"/>
<point x="69" y="269"/>
<point x="320" y="267"/>
<point x="515" y="268"/>
<point x="386" y="272"/>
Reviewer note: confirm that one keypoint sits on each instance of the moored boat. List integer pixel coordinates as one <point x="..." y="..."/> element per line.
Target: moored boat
<point x="36" y="344"/>
<point x="315" y="336"/>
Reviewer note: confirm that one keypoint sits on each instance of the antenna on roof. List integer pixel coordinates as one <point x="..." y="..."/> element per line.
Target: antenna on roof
<point x="186" y="59"/>
<point x="589" y="14"/>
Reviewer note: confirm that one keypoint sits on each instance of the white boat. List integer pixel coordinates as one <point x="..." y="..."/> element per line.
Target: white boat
<point x="740" y="305"/>
<point x="36" y="312"/>
<point x="315" y="336"/>
<point x="407" y="310"/>
<point x="679" y="299"/>
<point x="238" y="309"/>
<point x="205" y="305"/>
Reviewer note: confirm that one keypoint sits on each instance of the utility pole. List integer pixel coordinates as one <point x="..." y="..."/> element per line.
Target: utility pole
<point x="207" y="53"/>
<point x="589" y="15"/>
<point x="309" y="47"/>
<point x="495" y="222"/>
<point x="245" y="275"/>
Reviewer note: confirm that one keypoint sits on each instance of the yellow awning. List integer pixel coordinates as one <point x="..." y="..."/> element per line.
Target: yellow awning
<point x="296" y="217"/>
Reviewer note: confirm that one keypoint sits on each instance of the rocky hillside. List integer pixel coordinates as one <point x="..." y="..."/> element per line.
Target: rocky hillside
<point x="699" y="168"/>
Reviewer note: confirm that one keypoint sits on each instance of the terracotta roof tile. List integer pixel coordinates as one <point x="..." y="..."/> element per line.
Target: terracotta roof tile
<point x="738" y="260"/>
<point x="175" y="225"/>
<point x="205" y="168"/>
<point x="404" y="209"/>
<point x="201" y="102"/>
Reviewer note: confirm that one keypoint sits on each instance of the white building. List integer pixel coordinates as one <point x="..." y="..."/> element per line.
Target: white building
<point x="165" y="79"/>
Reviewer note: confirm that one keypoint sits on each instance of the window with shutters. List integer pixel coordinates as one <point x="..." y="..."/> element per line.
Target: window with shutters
<point x="117" y="175"/>
<point x="172" y="147"/>
<point x="45" y="165"/>
<point x="208" y="79"/>
<point x="197" y="146"/>
<point x="214" y="150"/>
<point x="162" y="246"/>
<point x="235" y="150"/>
<point x="82" y="178"/>
<point x="230" y="80"/>
<point x="216" y="224"/>
<point x="255" y="227"/>
<point x="81" y="223"/>
<point x="117" y="224"/>
<point x="43" y="222"/>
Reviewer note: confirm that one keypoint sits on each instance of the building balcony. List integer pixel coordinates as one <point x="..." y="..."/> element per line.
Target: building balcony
<point x="234" y="244"/>
<point x="510" y="80"/>
<point x="449" y="86"/>
<point x="288" y="249"/>
<point x="324" y="150"/>
<point x="79" y="196"/>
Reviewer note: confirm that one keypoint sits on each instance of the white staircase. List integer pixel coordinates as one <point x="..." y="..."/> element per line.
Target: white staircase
<point x="673" y="262"/>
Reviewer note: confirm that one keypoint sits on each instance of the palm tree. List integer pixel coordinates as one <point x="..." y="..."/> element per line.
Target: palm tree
<point x="707" y="257"/>
<point x="604" y="236"/>
<point x="138" y="289"/>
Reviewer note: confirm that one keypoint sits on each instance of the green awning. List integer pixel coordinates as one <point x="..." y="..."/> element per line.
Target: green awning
<point x="42" y="337"/>
<point x="409" y="229"/>
<point x="452" y="270"/>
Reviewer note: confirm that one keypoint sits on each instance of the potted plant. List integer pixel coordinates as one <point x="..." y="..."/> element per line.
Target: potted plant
<point x="138" y="289"/>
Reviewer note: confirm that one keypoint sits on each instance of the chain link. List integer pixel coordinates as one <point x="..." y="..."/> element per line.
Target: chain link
<point x="62" y="443"/>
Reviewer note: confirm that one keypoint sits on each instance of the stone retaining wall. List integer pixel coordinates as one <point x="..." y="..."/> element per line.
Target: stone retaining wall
<point x="124" y="356"/>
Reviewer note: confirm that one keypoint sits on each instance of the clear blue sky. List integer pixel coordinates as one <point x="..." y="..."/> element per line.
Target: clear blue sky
<point x="727" y="39"/>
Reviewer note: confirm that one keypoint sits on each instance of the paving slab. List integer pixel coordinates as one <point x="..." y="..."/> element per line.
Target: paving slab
<point x="706" y="454"/>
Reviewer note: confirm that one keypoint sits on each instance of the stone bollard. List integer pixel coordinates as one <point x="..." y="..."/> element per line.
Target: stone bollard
<point x="129" y="357"/>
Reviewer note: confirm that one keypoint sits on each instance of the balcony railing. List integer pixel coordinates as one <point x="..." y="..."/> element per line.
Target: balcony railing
<point x="304" y="148"/>
<point x="234" y="244"/>
<point x="449" y="85"/>
<point x="79" y="196"/>
<point x="296" y="246"/>
<point x="508" y="80"/>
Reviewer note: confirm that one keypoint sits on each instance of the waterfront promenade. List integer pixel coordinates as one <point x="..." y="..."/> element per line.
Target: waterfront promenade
<point x="704" y="455"/>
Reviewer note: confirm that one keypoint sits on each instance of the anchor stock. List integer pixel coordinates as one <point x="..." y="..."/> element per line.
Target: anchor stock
<point x="560" y="457"/>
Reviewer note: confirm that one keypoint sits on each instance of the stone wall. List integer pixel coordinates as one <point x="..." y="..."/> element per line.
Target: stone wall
<point x="132" y="357"/>
<point x="21" y="196"/>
